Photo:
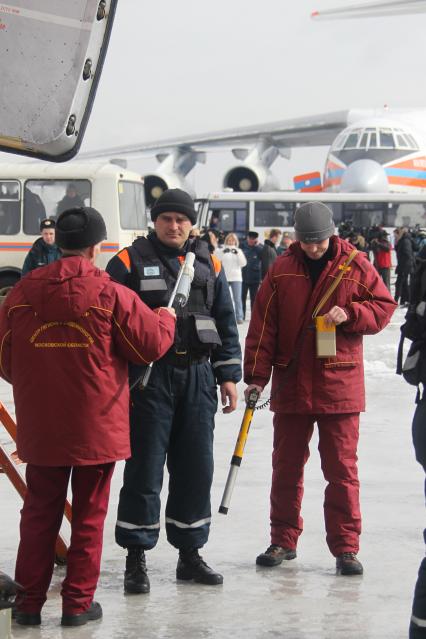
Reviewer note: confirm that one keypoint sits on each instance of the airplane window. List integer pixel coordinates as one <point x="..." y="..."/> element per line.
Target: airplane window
<point x="363" y="143"/>
<point x="386" y="139"/>
<point x="338" y="143"/>
<point x="373" y="141"/>
<point x="401" y="141"/>
<point x="411" y="141"/>
<point x="352" y="140"/>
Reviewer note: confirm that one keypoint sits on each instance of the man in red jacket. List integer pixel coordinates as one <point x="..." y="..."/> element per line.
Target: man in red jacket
<point x="70" y="329"/>
<point x="308" y="387"/>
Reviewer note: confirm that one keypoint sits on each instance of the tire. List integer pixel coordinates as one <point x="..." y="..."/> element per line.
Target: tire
<point x="6" y="284"/>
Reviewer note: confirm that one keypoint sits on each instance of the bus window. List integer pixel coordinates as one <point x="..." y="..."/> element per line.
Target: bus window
<point x="132" y="205"/>
<point x="407" y="213"/>
<point x="364" y="214"/>
<point x="10" y="207"/>
<point x="49" y="198"/>
<point x="274" y="214"/>
<point x="228" y="217"/>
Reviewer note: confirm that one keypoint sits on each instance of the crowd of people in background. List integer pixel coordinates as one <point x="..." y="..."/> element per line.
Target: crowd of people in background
<point x="246" y="261"/>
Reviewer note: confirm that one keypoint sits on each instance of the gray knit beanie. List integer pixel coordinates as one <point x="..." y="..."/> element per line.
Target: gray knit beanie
<point x="313" y="222"/>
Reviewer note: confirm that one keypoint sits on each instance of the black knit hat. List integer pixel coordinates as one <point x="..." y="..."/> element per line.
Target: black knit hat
<point x="80" y="228"/>
<point x="313" y="222"/>
<point x="47" y="224"/>
<point x="174" y="201"/>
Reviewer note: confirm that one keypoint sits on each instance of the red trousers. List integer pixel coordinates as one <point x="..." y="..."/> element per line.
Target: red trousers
<point x="41" y="519"/>
<point x="338" y="439"/>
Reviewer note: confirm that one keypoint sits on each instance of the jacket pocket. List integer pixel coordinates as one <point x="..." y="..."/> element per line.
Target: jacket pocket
<point x="344" y="362"/>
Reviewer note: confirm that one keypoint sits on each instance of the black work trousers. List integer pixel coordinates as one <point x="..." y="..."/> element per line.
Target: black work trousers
<point x="418" y="618"/>
<point x="173" y="420"/>
<point x="252" y="288"/>
<point x="402" y="288"/>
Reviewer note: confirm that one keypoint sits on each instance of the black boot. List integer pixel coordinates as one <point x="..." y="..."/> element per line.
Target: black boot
<point x="135" y="577"/>
<point x="93" y="613"/>
<point x="28" y="618"/>
<point x="191" y="566"/>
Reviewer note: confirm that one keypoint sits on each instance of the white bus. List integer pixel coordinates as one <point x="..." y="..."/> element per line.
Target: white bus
<point x="241" y="212"/>
<point x="35" y="190"/>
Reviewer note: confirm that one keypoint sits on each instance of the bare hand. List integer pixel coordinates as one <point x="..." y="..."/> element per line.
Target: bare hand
<point x="169" y="309"/>
<point x="15" y="458"/>
<point x="249" y="388"/>
<point x="336" y="316"/>
<point x="228" y="391"/>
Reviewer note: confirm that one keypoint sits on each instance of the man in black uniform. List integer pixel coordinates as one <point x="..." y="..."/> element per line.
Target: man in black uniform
<point x="173" y="418"/>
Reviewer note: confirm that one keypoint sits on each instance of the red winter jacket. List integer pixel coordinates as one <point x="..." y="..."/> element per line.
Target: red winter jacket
<point x="283" y="311"/>
<point x="67" y="333"/>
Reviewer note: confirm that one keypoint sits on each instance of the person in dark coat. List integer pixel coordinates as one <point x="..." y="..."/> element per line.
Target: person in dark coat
<point x="252" y="272"/>
<point x="71" y="199"/>
<point x="68" y="330"/>
<point x="418" y="616"/>
<point x="172" y="418"/>
<point x="310" y="386"/>
<point x="44" y="250"/>
<point x="404" y="267"/>
<point x="269" y="251"/>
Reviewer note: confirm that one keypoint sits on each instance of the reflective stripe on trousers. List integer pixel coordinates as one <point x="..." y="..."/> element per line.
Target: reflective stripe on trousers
<point x="172" y="419"/>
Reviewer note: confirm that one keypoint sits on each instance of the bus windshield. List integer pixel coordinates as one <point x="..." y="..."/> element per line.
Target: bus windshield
<point x="132" y="205"/>
<point x="49" y="198"/>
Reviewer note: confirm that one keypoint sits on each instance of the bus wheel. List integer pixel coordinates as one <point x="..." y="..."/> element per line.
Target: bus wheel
<point x="7" y="282"/>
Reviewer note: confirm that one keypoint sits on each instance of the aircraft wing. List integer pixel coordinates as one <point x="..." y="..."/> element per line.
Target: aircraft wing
<point x="316" y="130"/>
<point x="389" y="8"/>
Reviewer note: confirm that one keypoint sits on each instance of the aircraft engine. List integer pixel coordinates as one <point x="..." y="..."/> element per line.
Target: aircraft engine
<point x="156" y="183"/>
<point x="250" y="178"/>
<point x="170" y="174"/>
<point x="254" y="174"/>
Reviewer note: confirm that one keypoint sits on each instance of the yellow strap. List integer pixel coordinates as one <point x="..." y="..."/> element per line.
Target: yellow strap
<point x="344" y="267"/>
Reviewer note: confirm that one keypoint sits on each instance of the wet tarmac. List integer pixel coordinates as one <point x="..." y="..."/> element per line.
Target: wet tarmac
<point x="300" y="599"/>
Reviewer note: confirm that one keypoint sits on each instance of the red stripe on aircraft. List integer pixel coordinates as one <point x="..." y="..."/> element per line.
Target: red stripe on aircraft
<point x="402" y="181"/>
<point x="414" y="163"/>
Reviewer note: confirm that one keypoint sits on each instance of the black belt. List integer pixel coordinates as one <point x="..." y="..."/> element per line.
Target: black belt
<point x="184" y="358"/>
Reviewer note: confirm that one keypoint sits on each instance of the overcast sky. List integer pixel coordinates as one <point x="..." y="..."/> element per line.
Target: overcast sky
<point x="195" y="66"/>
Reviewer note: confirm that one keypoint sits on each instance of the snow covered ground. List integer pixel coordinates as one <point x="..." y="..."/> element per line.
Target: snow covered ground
<point x="301" y="599"/>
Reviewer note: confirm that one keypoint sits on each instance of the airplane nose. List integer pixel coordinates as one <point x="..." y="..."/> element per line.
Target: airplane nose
<point x="364" y="176"/>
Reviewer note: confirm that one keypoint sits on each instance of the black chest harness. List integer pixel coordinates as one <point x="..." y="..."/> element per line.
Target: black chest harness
<point x="153" y="277"/>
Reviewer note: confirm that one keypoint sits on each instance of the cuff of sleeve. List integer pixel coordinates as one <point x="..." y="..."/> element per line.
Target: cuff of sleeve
<point x="259" y="381"/>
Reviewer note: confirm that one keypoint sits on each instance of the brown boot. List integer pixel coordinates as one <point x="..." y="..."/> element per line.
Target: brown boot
<point x="275" y="555"/>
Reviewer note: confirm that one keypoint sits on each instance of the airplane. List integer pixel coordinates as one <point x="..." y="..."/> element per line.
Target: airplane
<point x="372" y="9"/>
<point x="370" y="150"/>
